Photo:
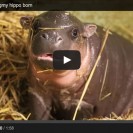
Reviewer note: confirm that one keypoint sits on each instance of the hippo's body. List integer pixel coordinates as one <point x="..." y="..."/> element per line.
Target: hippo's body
<point x="55" y="94"/>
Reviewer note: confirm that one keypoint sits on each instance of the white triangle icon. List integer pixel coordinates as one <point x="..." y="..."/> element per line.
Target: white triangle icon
<point x="66" y="60"/>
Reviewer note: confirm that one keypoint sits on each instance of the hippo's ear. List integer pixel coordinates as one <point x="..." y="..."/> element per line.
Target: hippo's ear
<point x="89" y="30"/>
<point x="26" y="22"/>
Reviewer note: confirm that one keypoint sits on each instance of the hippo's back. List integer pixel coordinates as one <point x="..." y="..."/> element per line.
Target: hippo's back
<point x="111" y="88"/>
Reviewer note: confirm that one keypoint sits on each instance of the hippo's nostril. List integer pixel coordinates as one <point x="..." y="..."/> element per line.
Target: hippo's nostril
<point x="59" y="38"/>
<point x="45" y="35"/>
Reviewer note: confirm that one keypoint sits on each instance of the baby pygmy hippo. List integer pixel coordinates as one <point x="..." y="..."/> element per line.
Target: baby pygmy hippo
<point x="54" y="94"/>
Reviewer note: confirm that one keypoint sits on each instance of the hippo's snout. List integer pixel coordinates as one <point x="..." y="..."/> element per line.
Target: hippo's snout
<point x="43" y="45"/>
<point x="46" y="42"/>
<point x="52" y="38"/>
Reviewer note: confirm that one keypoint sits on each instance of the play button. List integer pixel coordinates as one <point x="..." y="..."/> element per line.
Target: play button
<point x="66" y="60"/>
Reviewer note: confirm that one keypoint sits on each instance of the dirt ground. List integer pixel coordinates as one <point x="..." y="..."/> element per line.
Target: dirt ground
<point x="14" y="60"/>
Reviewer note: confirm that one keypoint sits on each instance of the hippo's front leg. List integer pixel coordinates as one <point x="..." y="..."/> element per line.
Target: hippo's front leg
<point x="40" y="106"/>
<point x="85" y="111"/>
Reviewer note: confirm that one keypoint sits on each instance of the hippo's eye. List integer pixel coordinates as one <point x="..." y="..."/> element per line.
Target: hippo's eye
<point x="75" y="33"/>
<point x="36" y="25"/>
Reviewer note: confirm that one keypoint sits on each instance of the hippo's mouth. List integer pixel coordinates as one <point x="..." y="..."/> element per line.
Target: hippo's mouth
<point x="44" y="61"/>
<point x="45" y="57"/>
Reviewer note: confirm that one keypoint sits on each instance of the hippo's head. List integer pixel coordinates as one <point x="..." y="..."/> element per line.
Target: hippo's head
<point x="55" y="30"/>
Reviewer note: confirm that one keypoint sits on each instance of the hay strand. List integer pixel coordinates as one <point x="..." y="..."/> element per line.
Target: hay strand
<point x="91" y="74"/>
